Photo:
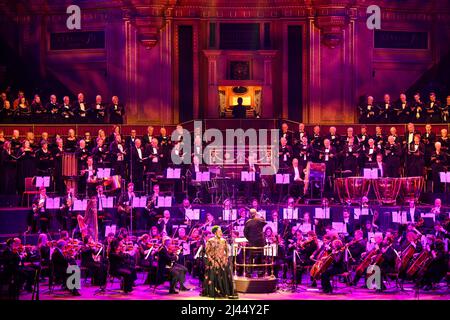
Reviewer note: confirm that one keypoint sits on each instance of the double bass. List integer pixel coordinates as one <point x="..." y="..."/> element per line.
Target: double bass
<point x="419" y="265"/>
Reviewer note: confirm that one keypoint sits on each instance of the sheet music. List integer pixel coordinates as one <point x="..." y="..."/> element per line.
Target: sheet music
<point x="110" y="229"/>
<point x="282" y="178"/>
<point x="271" y="250"/>
<point x="444" y="177"/>
<point x="370" y="173"/>
<point x="340" y="227"/>
<point x="428" y="215"/>
<point x="229" y="215"/>
<point x="321" y="214"/>
<point x="103" y="173"/>
<point x="289" y="213"/>
<point x="304" y="228"/>
<point x="262" y="213"/>
<point x="192" y="214"/>
<point x="164" y="202"/>
<point x="43" y="181"/>
<point x="108" y="202"/>
<point x="356" y="213"/>
<point x="53" y="203"/>
<point x="399" y="217"/>
<point x="202" y="176"/>
<point x="174" y="173"/>
<point x="79" y="205"/>
<point x="186" y="249"/>
<point x="247" y="176"/>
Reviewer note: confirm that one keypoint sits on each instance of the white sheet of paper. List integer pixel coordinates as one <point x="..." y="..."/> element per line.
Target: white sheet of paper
<point x="79" y="205"/>
<point x="173" y="173"/>
<point x="192" y="214"/>
<point x="339" y="227"/>
<point x="290" y="214"/>
<point x="305" y="227"/>
<point x="271" y="250"/>
<point x="322" y="214"/>
<point x="262" y="213"/>
<point x="356" y="213"/>
<point x="247" y="176"/>
<point x="228" y="215"/>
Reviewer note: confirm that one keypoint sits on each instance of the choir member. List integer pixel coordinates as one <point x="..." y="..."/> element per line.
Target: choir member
<point x="432" y="109"/>
<point x="392" y="153"/>
<point x="428" y="140"/>
<point x="98" y="110"/>
<point x="58" y="154"/>
<point x="100" y="153"/>
<point x="415" y="158"/>
<point x="316" y="139"/>
<point x="285" y="154"/>
<point x="26" y="165"/>
<point x="38" y="109"/>
<point x="327" y="155"/>
<point x="154" y="155"/>
<point x="44" y="158"/>
<point x="116" y="111"/>
<point x="404" y="110"/>
<point x="16" y="143"/>
<point x="445" y="141"/>
<point x="386" y="111"/>
<point x="334" y="138"/>
<point x="81" y="109"/>
<point x="419" y="112"/>
<point x="349" y="157"/>
<point x="148" y="137"/>
<point x="380" y="138"/>
<point x="129" y="141"/>
<point x="9" y="164"/>
<point x="66" y="111"/>
<point x="137" y="158"/>
<point x="445" y="109"/>
<point x="70" y="144"/>
<point x="53" y="109"/>
<point x="298" y="136"/>
<point x="118" y="152"/>
<point x="90" y="142"/>
<point x="368" y="112"/>
<point x="438" y="162"/>
<point x="284" y="133"/>
<point x="381" y="166"/>
<point x="369" y="154"/>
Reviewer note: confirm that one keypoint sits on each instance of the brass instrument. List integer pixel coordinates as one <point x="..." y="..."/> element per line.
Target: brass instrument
<point x="37" y="207"/>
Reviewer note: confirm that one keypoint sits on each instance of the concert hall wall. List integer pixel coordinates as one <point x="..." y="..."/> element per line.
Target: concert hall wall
<point x="157" y="71"/>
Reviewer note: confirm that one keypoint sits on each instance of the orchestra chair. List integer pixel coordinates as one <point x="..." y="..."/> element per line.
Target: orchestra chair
<point x="110" y="279"/>
<point x="30" y="190"/>
<point x="165" y="278"/>
<point x="346" y="276"/>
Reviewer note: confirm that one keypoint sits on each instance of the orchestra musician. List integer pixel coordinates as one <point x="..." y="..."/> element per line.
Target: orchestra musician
<point x="415" y="158"/>
<point x="165" y="224"/>
<point x="68" y="218"/>
<point x="119" y="265"/>
<point x="61" y="262"/>
<point x="337" y="265"/>
<point x="90" y="258"/>
<point x="39" y="209"/>
<point x="125" y="204"/>
<point x="436" y="267"/>
<point x="167" y="255"/>
<point x="137" y="159"/>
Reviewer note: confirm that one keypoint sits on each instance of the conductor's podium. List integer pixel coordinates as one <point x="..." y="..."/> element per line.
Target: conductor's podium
<point x="266" y="284"/>
<point x="258" y="260"/>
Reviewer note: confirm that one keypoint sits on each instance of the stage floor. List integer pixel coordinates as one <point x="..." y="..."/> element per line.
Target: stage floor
<point x="285" y="292"/>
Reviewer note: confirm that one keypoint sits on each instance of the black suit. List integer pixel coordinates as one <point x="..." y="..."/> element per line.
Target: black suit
<point x="116" y="113"/>
<point x="81" y="114"/>
<point x="239" y="112"/>
<point x="137" y="166"/>
<point x="118" y="267"/>
<point x="177" y="272"/>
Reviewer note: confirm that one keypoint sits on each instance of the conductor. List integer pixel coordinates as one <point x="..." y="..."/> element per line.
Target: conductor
<point x="253" y="231"/>
<point x="239" y="111"/>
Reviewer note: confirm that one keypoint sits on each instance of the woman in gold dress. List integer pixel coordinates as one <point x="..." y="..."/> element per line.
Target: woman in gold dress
<point x="218" y="282"/>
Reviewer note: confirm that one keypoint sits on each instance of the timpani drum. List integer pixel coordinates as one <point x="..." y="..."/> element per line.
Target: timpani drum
<point x="339" y="187"/>
<point x="387" y="189"/>
<point x="411" y="188"/>
<point x="356" y="188"/>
